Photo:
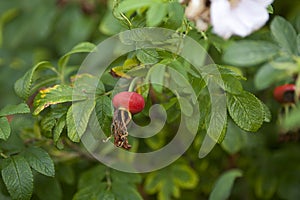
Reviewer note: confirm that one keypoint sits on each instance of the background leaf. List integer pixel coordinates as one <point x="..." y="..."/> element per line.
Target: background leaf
<point x="85" y="47"/>
<point x="156" y="14"/>
<point x="224" y="184"/>
<point x="47" y="188"/>
<point x="168" y="181"/>
<point x="249" y="52"/>
<point x="268" y="75"/>
<point x="284" y="33"/>
<point x="133" y="4"/>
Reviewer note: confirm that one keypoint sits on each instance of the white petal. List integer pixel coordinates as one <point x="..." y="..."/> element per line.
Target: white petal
<point x="220" y="17"/>
<point x="246" y="17"/>
<point x="265" y="3"/>
<point x="251" y="14"/>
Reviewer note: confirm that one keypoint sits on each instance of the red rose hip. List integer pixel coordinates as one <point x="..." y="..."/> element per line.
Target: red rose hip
<point x="285" y="93"/>
<point x="131" y="101"/>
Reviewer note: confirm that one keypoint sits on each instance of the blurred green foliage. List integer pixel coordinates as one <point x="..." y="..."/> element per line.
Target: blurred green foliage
<point x="35" y="30"/>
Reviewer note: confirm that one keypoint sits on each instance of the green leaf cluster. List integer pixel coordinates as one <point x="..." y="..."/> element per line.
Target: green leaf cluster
<point x="277" y="57"/>
<point x="101" y="182"/>
<point x="167" y="182"/>
<point x="17" y="173"/>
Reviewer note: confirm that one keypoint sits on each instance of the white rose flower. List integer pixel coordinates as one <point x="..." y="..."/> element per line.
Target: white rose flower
<point x="238" y="17"/>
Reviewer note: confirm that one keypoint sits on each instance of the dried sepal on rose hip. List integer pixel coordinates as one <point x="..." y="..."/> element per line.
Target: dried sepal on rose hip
<point x="285" y="94"/>
<point x="125" y="104"/>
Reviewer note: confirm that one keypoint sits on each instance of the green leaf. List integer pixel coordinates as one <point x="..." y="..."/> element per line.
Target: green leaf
<point x="47" y="188"/>
<point x="233" y="141"/>
<point x="156" y="13"/>
<point x="87" y="83"/>
<point x="128" y="5"/>
<point x="48" y="122"/>
<point x="147" y="56"/>
<point x="59" y="127"/>
<point x="84" y="47"/>
<point x="123" y="185"/>
<point x="246" y="111"/>
<point x="175" y="15"/>
<point x="284" y="33"/>
<point x="81" y="112"/>
<point x="248" y="53"/>
<point x="54" y="95"/>
<point x="291" y="120"/>
<point x="110" y="25"/>
<point x="157" y="75"/>
<point x="265" y="184"/>
<point x="7" y="16"/>
<point x="65" y="173"/>
<point x="267" y="113"/>
<point x="21" y="108"/>
<point x="186" y="177"/>
<point x="287" y="187"/>
<point x="92" y="184"/>
<point x="104" y="113"/>
<point x="222" y="188"/>
<point x="71" y="127"/>
<point x="92" y="176"/>
<point x="232" y="84"/>
<point x="130" y="178"/>
<point x="124" y="191"/>
<point x="92" y="192"/>
<point x="270" y="9"/>
<point x="18" y="178"/>
<point x="4" y="128"/>
<point x="40" y="160"/>
<point x="186" y="106"/>
<point x="23" y="86"/>
<point x="168" y="181"/>
<point x="268" y="75"/>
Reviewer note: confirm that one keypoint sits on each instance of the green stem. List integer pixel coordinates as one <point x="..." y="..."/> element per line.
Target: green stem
<point x="132" y="84"/>
<point x="108" y="179"/>
<point x="3" y="155"/>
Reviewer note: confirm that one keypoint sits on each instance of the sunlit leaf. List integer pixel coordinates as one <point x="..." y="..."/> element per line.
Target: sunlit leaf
<point x="55" y="95"/>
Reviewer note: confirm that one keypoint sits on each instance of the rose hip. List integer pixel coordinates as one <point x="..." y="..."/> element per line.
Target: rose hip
<point x="131" y="101"/>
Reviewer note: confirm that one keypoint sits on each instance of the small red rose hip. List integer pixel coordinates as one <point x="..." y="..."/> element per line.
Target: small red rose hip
<point x="131" y="101"/>
<point x="285" y="93"/>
